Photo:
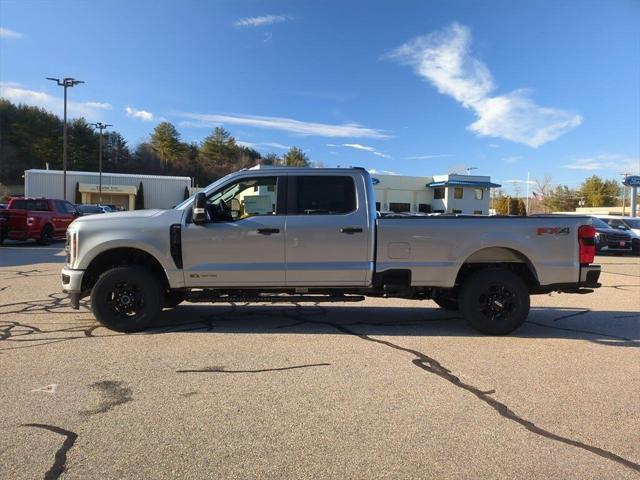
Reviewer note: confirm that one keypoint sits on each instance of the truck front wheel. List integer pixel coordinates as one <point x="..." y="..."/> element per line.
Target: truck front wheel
<point x="494" y="302"/>
<point x="127" y="299"/>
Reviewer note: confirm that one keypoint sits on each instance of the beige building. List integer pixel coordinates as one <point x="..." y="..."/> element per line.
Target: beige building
<point x="453" y="193"/>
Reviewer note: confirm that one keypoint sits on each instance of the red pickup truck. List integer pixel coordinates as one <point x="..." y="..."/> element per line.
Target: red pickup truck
<point x="41" y="219"/>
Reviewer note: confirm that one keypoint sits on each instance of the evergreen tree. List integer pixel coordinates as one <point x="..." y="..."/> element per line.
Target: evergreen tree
<point x="165" y="141"/>
<point x="140" y="197"/>
<point x="78" y="196"/>
<point x="599" y="193"/>
<point x="295" y="157"/>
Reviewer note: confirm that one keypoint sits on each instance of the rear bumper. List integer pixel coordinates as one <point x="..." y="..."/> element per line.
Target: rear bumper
<point x="589" y="276"/>
<point x="72" y="284"/>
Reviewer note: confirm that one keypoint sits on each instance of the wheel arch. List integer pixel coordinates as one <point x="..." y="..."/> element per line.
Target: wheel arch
<point x="122" y="256"/>
<point x="499" y="257"/>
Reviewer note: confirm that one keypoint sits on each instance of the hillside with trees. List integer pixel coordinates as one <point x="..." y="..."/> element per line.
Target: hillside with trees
<point x="31" y="137"/>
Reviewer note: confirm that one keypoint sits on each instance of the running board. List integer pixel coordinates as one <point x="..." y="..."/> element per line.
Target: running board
<point x="284" y="298"/>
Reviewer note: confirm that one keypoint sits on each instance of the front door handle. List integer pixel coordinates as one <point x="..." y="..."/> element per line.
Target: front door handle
<point x="351" y="230"/>
<point x="268" y="231"/>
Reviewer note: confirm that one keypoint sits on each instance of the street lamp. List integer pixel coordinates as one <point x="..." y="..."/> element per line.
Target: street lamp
<point x="66" y="83"/>
<point x="100" y="126"/>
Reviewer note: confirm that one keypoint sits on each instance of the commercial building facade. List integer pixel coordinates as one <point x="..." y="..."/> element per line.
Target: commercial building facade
<point x="453" y="193"/>
<point x="117" y="188"/>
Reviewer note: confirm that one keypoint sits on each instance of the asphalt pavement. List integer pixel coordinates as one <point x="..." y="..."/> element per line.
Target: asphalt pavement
<point x="378" y="389"/>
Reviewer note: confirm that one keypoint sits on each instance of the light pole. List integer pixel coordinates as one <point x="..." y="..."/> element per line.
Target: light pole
<point x="66" y="83"/>
<point x="624" y="191"/>
<point x="100" y="126"/>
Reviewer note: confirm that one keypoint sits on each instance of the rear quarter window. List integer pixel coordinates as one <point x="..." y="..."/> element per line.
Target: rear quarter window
<point x="324" y="195"/>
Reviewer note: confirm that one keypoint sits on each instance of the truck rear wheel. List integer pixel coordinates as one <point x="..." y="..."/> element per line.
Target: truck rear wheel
<point x="494" y="302"/>
<point x="127" y="299"/>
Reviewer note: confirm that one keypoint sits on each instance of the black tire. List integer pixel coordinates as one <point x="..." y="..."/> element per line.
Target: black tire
<point x="127" y="299"/>
<point x="173" y="298"/>
<point x="46" y="235"/>
<point x="448" y="302"/>
<point x="494" y="302"/>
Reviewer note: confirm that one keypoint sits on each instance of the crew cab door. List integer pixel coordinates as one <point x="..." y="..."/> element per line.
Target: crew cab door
<point x="242" y="243"/>
<point x="329" y="236"/>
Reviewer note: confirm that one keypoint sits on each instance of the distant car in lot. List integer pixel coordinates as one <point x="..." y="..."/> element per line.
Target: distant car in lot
<point x="89" y="209"/>
<point x="41" y="219"/>
<point x="630" y="225"/>
<point x="3" y="206"/>
<point x="611" y="239"/>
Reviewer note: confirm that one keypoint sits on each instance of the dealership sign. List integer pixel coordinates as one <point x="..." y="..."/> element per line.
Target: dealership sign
<point x="632" y="181"/>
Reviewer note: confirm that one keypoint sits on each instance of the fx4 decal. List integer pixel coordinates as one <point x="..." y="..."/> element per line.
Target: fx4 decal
<point x="554" y="231"/>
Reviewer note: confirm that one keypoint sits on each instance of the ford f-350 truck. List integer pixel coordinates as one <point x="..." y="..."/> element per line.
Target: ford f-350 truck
<point x="313" y="235"/>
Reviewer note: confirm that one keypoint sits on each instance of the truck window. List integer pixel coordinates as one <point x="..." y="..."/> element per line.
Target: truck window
<point x="328" y="195"/>
<point x="247" y="197"/>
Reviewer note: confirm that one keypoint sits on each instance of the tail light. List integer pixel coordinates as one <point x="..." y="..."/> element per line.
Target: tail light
<point x="587" y="243"/>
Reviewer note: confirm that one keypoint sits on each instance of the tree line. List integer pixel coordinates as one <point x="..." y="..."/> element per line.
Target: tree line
<point x="31" y="137"/>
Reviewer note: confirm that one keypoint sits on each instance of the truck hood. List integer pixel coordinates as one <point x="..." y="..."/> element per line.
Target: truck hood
<point x="134" y="214"/>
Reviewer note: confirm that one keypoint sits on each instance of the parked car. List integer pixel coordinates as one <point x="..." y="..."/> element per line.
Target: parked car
<point x="41" y="219"/>
<point x="3" y="206"/>
<point x="313" y="235"/>
<point x="89" y="209"/>
<point x="630" y="225"/>
<point x="610" y="239"/>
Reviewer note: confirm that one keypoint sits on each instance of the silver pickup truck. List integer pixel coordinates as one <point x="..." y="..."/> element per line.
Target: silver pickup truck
<point x="313" y="235"/>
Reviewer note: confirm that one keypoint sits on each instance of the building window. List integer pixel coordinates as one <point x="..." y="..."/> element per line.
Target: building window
<point x="457" y="193"/>
<point x="438" y="211"/>
<point x="477" y="212"/>
<point x="479" y="193"/>
<point x="438" y="193"/>
<point x="399" y="207"/>
<point x="457" y="211"/>
<point x="378" y="206"/>
<point x="424" y="208"/>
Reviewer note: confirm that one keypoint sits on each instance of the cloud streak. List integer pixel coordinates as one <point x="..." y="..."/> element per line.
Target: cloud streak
<point x="10" y="34"/>
<point x="18" y="94"/>
<point x="139" y="114"/>
<point x="606" y="161"/>
<point x="261" y="21"/>
<point x="430" y="156"/>
<point x="444" y="59"/>
<point x="366" y="148"/>
<point x="290" y="125"/>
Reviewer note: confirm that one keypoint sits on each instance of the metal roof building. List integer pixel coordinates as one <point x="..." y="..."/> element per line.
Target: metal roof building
<point x="117" y="188"/>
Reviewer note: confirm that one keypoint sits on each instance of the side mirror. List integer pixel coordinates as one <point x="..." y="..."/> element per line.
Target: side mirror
<point x="200" y="209"/>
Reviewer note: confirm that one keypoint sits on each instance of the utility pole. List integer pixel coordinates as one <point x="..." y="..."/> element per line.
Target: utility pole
<point x="66" y="83"/>
<point x="624" y="191"/>
<point x="100" y="126"/>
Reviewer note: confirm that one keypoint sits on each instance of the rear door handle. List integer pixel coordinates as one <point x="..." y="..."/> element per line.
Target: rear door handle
<point x="350" y="230"/>
<point x="268" y="231"/>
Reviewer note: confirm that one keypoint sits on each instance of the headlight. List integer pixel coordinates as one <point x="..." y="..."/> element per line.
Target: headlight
<point x="71" y="247"/>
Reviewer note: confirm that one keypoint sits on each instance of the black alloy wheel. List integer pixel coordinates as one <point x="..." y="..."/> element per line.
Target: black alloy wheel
<point x="494" y="301"/>
<point x="46" y="235"/>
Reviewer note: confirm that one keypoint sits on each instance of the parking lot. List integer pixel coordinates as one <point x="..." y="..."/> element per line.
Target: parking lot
<point x="379" y="389"/>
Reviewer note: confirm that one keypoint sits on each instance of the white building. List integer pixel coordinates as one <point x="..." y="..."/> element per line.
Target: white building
<point x="117" y="188"/>
<point x="453" y="193"/>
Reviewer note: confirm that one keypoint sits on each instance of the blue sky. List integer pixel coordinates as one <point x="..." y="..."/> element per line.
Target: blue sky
<point x="414" y="87"/>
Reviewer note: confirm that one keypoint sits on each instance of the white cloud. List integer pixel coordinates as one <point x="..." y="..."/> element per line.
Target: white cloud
<point x="261" y="21"/>
<point x="494" y="145"/>
<point x="366" y="148"/>
<point x="288" y="125"/>
<point x="277" y="145"/>
<point x="139" y="114"/>
<point x="383" y="172"/>
<point x="427" y="157"/>
<point x="18" y="94"/>
<point x="10" y="34"/>
<point x="607" y="161"/>
<point x="444" y="59"/>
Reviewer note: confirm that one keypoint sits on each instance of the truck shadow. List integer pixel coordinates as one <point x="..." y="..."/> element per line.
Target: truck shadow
<point x="603" y="327"/>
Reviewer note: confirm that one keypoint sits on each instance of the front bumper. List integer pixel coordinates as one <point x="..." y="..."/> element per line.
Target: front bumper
<point x="72" y="284"/>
